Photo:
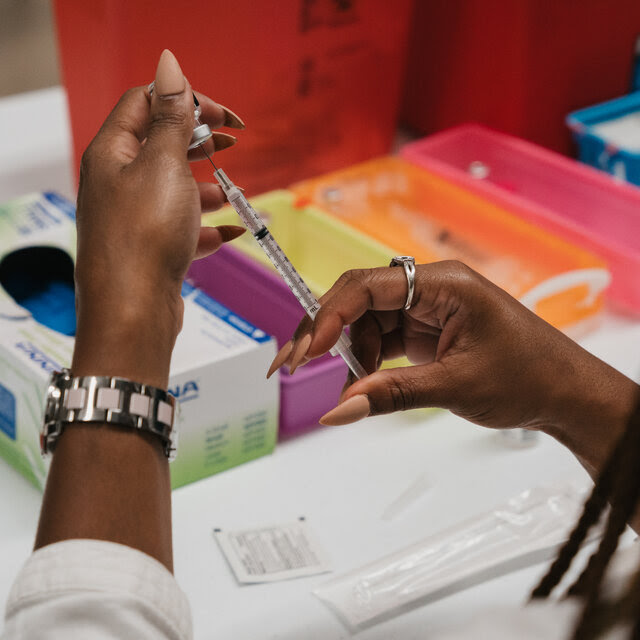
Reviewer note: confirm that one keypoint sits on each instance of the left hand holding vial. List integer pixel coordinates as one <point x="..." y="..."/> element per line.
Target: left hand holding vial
<point x="138" y="222"/>
<point x="139" y="228"/>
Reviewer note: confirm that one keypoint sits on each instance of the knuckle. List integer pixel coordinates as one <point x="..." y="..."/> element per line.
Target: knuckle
<point x="127" y="95"/>
<point x="87" y="159"/>
<point x="402" y="394"/>
<point x="458" y="267"/>
<point x="461" y="273"/>
<point x="355" y="281"/>
<point x="120" y="122"/>
<point x="91" y="158"/>
<point x="353" y="275"/>
<point x="130" y="92"/>
<point x="169" y="118"/>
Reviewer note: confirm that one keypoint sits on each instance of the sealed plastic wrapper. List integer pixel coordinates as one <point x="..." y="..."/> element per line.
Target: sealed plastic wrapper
<point x="525" y="530"/>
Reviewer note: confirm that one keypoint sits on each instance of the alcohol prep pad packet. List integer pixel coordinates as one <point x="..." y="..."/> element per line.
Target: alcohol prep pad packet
<point x="525" y="530"/>
<point x="272" y="553"/>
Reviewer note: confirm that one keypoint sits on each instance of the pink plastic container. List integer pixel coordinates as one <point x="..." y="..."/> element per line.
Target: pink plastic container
<point x="581" y="204"/>
<point x="260" y="296"/>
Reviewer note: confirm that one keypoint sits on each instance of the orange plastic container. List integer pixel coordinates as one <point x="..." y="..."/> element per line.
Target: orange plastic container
<point x="317" y="82"/>
<point x="420" y="214"/>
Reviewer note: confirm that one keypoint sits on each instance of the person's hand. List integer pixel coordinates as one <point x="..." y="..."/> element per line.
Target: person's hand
<point x="138" y="222"/>
<point x="477" y="351"/>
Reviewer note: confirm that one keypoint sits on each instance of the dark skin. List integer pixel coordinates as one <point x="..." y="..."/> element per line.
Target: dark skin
<point x="139" y="228"/>
<point x="476" y="351"/>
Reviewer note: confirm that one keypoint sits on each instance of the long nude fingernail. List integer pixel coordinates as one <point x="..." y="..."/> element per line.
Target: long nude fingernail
<point x="281" y="357"/>
<point x="232" y="119"/>
<point x="231" y="232"/>
<point x="169" y="78"/>
<point x="351" y="410"/>
<point x="223" y="140"/>
<point x="302" y="346"/>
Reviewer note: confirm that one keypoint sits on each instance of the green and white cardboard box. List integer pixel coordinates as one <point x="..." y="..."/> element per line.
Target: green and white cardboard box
<point x="228" y="411"/>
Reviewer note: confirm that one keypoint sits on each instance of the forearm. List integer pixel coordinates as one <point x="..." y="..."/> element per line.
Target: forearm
<point x="138" y="223"/>
<point x="109" y="482"/>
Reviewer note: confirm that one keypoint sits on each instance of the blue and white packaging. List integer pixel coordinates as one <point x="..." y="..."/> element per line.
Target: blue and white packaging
<point x="228" y="410"/>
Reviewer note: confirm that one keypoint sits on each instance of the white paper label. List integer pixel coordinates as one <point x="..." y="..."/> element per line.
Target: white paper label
<point x="272" y="553"/>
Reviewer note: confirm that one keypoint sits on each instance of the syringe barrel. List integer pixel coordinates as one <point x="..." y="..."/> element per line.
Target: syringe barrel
<point x="241" y="205"/>
<point x="247" y="213"/>
<point x="289" y="274"/>
<point x="309" y="302"/>
<point x="274" y="252"/>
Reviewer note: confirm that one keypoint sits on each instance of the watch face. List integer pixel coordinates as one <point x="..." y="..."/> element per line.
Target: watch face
<point x="53" y="398"/>
<point x="53" y="405"/>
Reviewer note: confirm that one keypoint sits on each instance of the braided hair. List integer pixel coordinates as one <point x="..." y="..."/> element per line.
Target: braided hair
<point x="619" y="487"/>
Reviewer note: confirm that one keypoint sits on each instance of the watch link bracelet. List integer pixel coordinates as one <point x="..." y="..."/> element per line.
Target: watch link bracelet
<point x="109" y="400"/>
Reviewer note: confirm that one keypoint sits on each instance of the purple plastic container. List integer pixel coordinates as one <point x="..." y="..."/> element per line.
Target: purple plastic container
<point x="260" y="296"/>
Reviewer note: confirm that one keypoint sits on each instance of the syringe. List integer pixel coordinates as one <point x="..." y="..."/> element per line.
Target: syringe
<point x="300" y="290"/>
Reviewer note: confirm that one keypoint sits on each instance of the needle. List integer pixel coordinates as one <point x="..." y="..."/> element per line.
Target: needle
<point x="212" y="164"/>
<point x="209" y="158"/>
<point x="278" y="258"/>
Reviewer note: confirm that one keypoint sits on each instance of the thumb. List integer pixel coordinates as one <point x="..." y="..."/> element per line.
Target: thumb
<point x="390" y="390"/>
<point x="171" y="112"/>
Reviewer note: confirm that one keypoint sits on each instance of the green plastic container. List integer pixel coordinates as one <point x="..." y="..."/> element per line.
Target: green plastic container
<point x="320" y="247"/>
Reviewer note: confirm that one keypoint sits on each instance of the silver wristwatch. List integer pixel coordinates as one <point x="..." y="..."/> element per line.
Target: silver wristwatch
<point x="108" y="400"/>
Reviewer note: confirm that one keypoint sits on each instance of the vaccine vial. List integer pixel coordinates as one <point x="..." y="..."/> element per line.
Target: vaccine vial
<point x="201" y="132"/>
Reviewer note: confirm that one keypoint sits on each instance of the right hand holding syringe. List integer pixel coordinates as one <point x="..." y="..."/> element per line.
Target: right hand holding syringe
<point x="256" y="226"/>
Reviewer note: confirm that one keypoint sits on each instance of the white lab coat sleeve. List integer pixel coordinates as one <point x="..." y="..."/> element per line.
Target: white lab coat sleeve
<point x="95" y="590"/>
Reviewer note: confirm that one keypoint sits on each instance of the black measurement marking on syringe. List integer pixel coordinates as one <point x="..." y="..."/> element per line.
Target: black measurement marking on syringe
<point x="297" y="285"/>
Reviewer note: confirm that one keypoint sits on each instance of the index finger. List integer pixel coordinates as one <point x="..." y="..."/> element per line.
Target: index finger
<point x="353" y="294"/>
<point x="212" y="113"/>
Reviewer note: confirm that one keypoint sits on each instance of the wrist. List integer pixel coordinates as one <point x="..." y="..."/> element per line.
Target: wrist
<point x="128" y="338"/>
<point x="593" y="411"/>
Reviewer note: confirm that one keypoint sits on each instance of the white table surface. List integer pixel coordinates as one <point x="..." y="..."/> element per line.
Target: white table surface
<point x="340" y="479"/>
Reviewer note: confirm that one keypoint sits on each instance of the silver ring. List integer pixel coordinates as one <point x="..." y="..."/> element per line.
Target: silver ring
<point x="409" y="264"/>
